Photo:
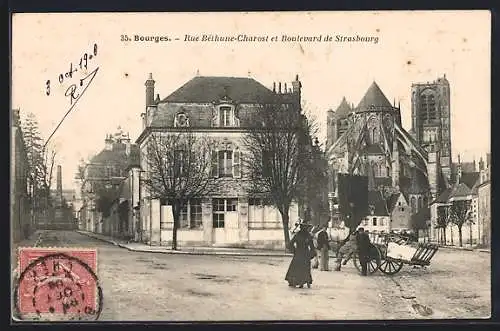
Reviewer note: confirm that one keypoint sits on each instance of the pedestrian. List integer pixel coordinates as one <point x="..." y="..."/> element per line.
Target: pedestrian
<point x="323" y="247"/>
<point x="363" y="244"/>
<point x="345" y="250"/>
<point x="299" y="271"/>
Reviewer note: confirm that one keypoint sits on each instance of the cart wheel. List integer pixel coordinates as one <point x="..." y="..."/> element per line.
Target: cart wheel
<point x="374" y="262"/>
<point x="391" y="267"/>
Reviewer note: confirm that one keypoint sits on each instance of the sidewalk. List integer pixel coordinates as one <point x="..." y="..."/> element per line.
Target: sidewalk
<point x="470" y="249"/>
<point x="140" y="247"/>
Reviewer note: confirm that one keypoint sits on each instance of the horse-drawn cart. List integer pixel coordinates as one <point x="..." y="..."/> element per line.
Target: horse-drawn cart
<point x="390" y="252"/>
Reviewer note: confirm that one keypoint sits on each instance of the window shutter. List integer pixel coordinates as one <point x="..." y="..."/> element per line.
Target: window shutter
<point x="236" y="163"/>
<point x="215" y="164"/>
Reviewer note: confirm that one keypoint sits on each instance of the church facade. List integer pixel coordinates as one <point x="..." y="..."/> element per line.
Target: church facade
<point x="406" y="170"/>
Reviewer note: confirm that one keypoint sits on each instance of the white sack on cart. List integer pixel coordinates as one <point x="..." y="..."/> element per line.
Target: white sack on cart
<point x="402" y="252"/>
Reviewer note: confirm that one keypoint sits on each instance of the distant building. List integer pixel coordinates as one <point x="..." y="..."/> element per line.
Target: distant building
<point x="466" y="185"/>
<point x="102" y="178"/>
<point x="20" y="217"/>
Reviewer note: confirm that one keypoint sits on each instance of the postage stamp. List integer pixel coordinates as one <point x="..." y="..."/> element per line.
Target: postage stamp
<point x="57" y="284"/>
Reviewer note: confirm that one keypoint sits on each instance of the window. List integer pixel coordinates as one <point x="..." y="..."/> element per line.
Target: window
<point x="399" y="203"/>
<point x="190" y="216"/>
<point x="267" y="164"/>
<point x="218" y="213"/>
<point x="195" y="220"/>
<point x="262" y="214"/>
<point x="220" y="207"/>
<point x="225" y="116"/>
<point x="374" y="221"/>
<point x="183" y="217"/>
<point x="179" y="163"/>
<point x="226" y="163"/>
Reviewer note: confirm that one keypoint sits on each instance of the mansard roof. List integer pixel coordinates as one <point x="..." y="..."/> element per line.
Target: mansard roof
<point x="374" y="97"/>
<point x="343" y="109"/>
<point x="206" y="89"/>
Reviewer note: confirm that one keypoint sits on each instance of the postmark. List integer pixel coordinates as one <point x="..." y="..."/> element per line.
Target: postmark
<point x="57" y="285"/>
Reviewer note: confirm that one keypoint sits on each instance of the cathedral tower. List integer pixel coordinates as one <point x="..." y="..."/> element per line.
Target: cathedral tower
<point x="430" y="113"/>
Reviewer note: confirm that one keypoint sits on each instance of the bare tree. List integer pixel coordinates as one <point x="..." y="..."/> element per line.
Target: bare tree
<point x="459" y="215"/>
<point x="178" y="169"/>
<point x="442" y="221"/>
<point x="278" y="153"/>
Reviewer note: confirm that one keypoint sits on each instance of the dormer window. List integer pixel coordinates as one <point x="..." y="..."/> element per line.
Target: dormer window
<point x="225" y="116"/>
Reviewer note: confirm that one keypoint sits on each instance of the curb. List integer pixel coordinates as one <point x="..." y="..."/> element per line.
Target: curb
<point x="458" y="248"/>
<point x="185" y="252"/>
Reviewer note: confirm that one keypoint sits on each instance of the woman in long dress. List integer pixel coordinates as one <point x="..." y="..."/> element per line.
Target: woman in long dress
<point x="299" y="271"/>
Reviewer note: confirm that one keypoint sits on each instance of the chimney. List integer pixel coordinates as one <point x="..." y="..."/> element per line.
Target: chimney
<point x="286" y="89"/>
<point x="150" y="90"/>
<point x="296" y="85"/>
<point x="279" y="87"/>
<point x="488" y="160"/>
<point x="108" y="143"/>
<point x="481" y="164"/>
<point x="274" y="87"/>
<point x="59" y="184"/>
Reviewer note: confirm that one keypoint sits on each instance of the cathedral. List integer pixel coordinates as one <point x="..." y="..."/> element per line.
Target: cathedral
<point x="405" y="170"/>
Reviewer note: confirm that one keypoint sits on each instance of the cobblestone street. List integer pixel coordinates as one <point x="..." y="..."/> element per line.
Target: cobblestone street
<point x="170" y="287"/>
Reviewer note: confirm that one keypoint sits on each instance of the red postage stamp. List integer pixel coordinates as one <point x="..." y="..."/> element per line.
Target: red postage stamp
<point x="57" y="284"/>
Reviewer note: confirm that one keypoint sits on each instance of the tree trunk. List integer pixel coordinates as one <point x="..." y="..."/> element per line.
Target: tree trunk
<point x="460" y="235"/>
<point x="470" y="234"/>
<point x="176" y="213"/>
<point x="451" y="235"/>
<point x="286" y="228"/>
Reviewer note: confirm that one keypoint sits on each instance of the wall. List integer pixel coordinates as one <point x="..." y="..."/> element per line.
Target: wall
<point x="382" y="224"/>
<point x="19" y="206"/>
<point x="484" y="211"/>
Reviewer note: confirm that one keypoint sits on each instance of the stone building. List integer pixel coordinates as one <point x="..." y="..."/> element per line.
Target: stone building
<point x="431" y="120"/>
<point x="222" y="109"/>
<point x="103" y="176"/>
<point x="20" y="217"/>
<point x="369" y="140"/>
<point x="467" y="181"/>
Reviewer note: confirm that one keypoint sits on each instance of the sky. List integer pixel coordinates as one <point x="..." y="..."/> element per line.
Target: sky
<point x="412" y="47"/>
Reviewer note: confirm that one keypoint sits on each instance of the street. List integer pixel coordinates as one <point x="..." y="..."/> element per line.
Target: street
<point x="171" y="287"/>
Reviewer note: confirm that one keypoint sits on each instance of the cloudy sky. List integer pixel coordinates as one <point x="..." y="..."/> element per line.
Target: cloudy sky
<point x="412" y="47"/>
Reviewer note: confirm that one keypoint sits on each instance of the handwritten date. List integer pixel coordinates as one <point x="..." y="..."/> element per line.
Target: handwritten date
<point x="82" y="64"/>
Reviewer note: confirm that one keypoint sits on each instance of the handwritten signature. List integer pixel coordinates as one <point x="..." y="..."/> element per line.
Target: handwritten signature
<point x="73" y="91"/>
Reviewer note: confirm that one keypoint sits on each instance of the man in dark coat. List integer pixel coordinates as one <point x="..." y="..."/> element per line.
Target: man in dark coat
<point x="323" y="248"/>
<point x="363" y="245"/>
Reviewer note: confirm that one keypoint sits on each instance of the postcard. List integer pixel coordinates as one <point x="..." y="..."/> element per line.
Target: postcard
<point x="250" y="166"/>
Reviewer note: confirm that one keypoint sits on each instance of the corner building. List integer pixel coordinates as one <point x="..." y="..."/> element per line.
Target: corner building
<point x="222" y="109"/>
